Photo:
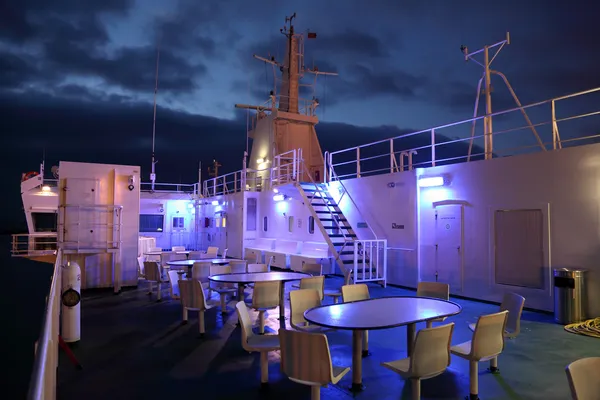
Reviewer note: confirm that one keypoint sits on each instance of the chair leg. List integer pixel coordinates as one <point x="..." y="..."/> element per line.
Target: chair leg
<point x="264" y="367"/>
<point x="201" y="321"/>
<point x="315" y="392"/>
<point x="158" y="294"/>
<point x="223" y="306"/>
<point x="416" y="388"/>
<point x="185" y="315"/>
<point x="149" y="288"/>
<point x="473" y="379"/>
<point x="261" y="319"/>
<point x="335" y="299"/>
<point x="494" y="365"/>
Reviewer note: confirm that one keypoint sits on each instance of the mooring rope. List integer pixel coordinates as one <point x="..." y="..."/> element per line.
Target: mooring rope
<point x="591" y="327"/>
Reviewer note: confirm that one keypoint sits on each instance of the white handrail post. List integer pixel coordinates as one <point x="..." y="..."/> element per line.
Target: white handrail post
<point x="392" y="156"/>
<point x="358" y="162"/>
<point x="554" y="127"/>
<point x="384" y="263"/>
<point x="433" y="147"/>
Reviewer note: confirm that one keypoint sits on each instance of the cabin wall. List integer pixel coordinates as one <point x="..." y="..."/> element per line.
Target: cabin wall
<point x="86" y="184"/>
<point x="562" y="187"/>
<point x="388" y="204"/>
<point x="170" y="206"/>
<point x="287" y="219"/>
<point x="221" y="223"/>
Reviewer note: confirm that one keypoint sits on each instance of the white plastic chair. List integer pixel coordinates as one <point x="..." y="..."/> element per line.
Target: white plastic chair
<point x="178" y="248"/>
<point x="256" y="343"/>
<point x="584" y="379"/>
<point x="513" y="303"/>
<point x="315" y="282"/>
<point x="337" y="293"/>
<point x="430" y="358"/>
<point x="311" y="269"/>
<point x="355" y="293"/>
<point x="174" y="280"/>
<point x="192" y="298"/>
<point x="152" y="273"/>
<point x="238" y="266"/>
<point x="487" y="344"/>
<point x="300" y="301"/>
<point x="224" y="255"/>
<point x="224" y="289"/>
<point x="212" y="251"/>
<point x="255" y="268"/>
<point x="265" y="297"/>
<point x="436" y="290"/>
<point x="306" y="359"/>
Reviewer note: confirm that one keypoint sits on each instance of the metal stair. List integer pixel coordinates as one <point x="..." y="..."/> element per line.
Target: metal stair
<point x="334" y="226"/>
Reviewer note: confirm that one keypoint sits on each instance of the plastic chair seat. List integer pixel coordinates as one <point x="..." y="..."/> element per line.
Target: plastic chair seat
<point x="461" y="350"/>
<point x="264" y="342"/>
<point x="507" y="333"/>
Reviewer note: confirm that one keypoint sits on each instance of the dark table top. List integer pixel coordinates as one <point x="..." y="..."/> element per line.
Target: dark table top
<point x="380" y="313"/>
<point x="259" y="277"/>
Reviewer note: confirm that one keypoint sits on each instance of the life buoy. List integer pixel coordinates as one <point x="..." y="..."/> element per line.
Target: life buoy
<point x="29" y="175"/>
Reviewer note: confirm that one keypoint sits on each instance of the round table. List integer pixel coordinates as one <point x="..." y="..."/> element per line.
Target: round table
<point x="244" y="279"/>
<point x="381" y="313"/>
<point x="190" y="263"/>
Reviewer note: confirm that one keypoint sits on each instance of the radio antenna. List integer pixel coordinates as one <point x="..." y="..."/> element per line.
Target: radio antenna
<point x="153" y="173"/>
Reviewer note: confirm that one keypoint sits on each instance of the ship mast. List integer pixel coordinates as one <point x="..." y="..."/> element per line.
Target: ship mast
<point x="486" y="79"/>
<point x="153" y="173"/>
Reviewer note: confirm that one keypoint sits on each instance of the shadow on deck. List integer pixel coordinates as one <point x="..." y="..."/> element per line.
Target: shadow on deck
<point x="135" y="347"/>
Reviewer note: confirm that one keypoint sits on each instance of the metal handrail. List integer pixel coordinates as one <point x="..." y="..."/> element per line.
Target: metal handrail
<point x="334" y="175"/>
<point x="42" y="384"/>
<point x="556" y="142"/>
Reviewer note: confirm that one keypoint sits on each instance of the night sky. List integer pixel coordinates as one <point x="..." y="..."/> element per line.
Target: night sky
<point x="77" y="77"/>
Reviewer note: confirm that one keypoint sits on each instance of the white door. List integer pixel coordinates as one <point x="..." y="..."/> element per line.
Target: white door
<point x="449" y="246"/>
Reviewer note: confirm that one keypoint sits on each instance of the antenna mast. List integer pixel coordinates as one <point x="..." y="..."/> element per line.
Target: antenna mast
<point x="487" y="77"/>
<point x="153" y="173"/>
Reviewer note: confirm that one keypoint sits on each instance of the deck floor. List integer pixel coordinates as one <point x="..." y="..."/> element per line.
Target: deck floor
<point x="134" y="347"/>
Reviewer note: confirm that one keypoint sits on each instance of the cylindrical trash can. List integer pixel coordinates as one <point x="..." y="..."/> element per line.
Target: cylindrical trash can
<point x="570" y="296"/>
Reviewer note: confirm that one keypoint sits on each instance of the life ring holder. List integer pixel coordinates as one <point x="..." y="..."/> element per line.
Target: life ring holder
<point x="29" y="175"/>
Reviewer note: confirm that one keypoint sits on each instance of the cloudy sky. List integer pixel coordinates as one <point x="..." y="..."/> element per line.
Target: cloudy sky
<point x="77" y="77"/>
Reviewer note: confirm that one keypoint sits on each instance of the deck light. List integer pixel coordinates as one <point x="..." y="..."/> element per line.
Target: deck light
<point x="431" y="181"/>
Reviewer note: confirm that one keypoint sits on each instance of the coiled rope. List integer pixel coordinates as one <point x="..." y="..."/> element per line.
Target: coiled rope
<point x="591" y="327"/>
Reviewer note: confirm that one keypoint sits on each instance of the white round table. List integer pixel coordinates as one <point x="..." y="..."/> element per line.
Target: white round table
<point x="381" y="313"/>
<point x="244" y="279"/>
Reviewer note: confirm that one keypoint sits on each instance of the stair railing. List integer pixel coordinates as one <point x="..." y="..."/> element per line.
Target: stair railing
<point x="345" y="191"/>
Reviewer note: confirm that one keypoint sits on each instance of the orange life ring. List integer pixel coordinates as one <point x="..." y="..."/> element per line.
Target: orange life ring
<point x="29" y="175"/>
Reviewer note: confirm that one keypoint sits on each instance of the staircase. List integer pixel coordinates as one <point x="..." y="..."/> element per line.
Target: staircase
<point x="359" y="257"/>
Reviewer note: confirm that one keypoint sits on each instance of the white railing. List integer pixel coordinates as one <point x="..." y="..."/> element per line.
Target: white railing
<point x="389" y="155"/>
<point x="370" y="261"/>
<point x="42" y="385"/>
<point x="286" y="167"/>
<point x="191" y="188"/>
<point x="238" y="181"/>
<point x="34" y="244"/>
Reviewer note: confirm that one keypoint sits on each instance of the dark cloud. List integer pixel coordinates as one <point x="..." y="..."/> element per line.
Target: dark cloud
<point x="23" y="20"/>
<point x="72" y="40"/>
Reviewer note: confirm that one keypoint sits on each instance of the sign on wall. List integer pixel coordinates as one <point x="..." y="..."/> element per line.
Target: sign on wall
<point x="397" y="226"/>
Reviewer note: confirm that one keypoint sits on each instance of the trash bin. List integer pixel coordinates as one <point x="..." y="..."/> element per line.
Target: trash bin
<point x="569" y="295"/>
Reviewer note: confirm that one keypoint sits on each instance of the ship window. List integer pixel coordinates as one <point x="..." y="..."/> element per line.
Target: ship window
<point x="265" y="223"/>
<point x="290" y="224"/>
<point x="311" y="225"/>
<point x="251" y="214"/>
<point x="519" y="248"/>
<point x="151" y="222"/>
<point x="44" y="221"/>
<point x="178" y="222"/>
